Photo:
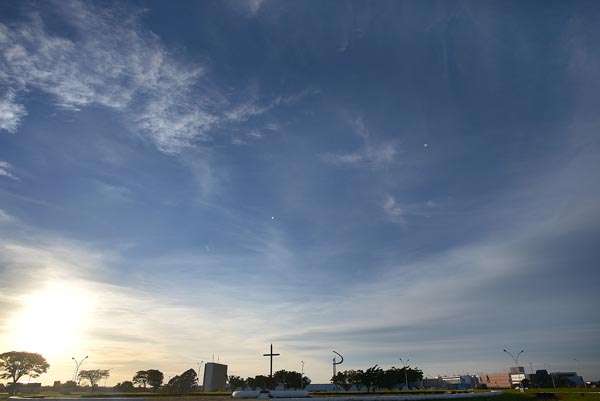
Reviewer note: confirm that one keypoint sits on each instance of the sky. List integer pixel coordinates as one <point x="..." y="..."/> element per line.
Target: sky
<point x="182" y="181"/>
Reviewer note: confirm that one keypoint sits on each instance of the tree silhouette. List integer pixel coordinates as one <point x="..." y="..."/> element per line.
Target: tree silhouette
<point x="289" y="379"/>
<point x="93" y="376"/>
<point x="375" y="377"/>
<point x="236" y="382"/>
<point x="141" y="378"/>
<point x="14" y="365"/>
<point x="125" y="387"/>
<point x="155" y="378"/>
<point x="341" y="380"/>
<point x="183" y="383"/>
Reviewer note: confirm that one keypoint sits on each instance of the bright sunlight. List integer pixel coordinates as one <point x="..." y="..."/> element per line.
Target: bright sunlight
<point x="52" y="320"/>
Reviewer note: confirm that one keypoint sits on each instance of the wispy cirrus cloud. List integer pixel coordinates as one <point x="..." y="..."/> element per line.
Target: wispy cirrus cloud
<point x="11" y="112"/>
<point x="5" y="217"/>
<point x="372" y="153"/>
<point x="6" y="170"/>
<point x="393" y="209"/>
<point x="112" y="61"/>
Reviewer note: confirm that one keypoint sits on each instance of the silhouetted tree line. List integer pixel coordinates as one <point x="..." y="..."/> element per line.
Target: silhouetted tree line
<point x="285" y="378"/>
<point x="375" y="378"/>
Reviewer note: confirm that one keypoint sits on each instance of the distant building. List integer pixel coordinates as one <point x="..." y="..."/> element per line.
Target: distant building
<point x="321" y="387"/>
<point x="215" y="377"/>
<point x="26" y="387"/>
<point x="567" y="379"/>
<point x="517" y="375"/>
<point x="495" y="380"/>
<point x="458" y="382"/>
<point x="434" y="382"/>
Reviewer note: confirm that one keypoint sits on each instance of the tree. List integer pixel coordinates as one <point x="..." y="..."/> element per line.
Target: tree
<point x="262" y="382"/>
<point x="183" y="383"/>
<point x="355" y="377"/>
<point x="372" y="378"/>
<point x="289" y="379"/>
<point x="251" y="383"/>
<point x="236" y="383"/>
<point x="14" y="365"/>
<point x="141" y="378"/>
<point x="125" y="387"/>
<point x="341" y="379"/>
<point x="393" y="378"/>
<point x="155" y="378"/>
<point x="93" y="376"/>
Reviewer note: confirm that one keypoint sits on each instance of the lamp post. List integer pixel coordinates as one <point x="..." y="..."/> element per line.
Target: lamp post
<point x="301" y="374"/>
<point x="514" y="357"/>
<point x="581" y="374"/>
<point x="405" y="371"/>
<point x="77" y="366"/>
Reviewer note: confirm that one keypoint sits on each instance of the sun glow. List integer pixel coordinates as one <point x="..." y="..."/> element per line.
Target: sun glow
<point x="52" y="320"/>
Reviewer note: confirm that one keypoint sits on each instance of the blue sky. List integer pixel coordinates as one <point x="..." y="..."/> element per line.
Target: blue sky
<point x="387" y="179"/>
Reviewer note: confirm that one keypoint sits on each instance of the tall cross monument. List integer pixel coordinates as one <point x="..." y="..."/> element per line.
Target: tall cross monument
<point x="271" y="355"/>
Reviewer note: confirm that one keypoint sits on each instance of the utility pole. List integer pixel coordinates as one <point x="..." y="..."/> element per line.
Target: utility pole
<point x="580" y="373"/>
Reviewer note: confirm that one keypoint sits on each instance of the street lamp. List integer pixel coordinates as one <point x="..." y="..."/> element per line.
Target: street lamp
<point x="514" y="357"/>
<point x="77" y="366"/>
<point x="577" y="367"/>
<point x="405" y="372"/>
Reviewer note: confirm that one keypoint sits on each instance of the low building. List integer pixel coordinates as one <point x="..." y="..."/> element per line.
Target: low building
<point x="457" y="382"/>
<point x="321" y="387"/>
<point x="26" y="387"/>
<point x="215" y="377"/>
<point x="567" y="379"/>
<point x="460" y="382"/>
<point x="517" y="375"/>
<point x="495" y="380"/>
<point x="433" y="382"/>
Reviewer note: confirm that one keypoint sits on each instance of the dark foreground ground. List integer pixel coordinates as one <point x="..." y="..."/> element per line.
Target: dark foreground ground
<point x="509" y="395"/>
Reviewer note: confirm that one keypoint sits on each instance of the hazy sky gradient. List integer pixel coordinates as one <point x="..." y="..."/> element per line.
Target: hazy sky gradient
<point x="387" y="179"/>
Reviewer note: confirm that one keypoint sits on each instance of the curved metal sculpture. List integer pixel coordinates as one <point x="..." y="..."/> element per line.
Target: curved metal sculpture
<point x="335" y="362"/>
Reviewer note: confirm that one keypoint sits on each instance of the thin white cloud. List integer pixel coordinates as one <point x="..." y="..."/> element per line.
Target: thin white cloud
<point x="112" y="61"/>
<point x="6" y="170"/>
<point x="5" y="217"/>
<point x="11" y="113"/>
<point x="249" y="8"/>
<point x="372" y="153"/>
<point x="393" y="210"/>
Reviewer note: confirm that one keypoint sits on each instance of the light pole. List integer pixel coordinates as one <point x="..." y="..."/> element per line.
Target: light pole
<point x="77" y="366"/>
<point x="581" y="374"/>
<point x="301" y="374"/>
<point x="405" y="371"/>
<point x="106" y="377"/>
<point x="551" y="375"/>
<point x="514" y="357"/>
